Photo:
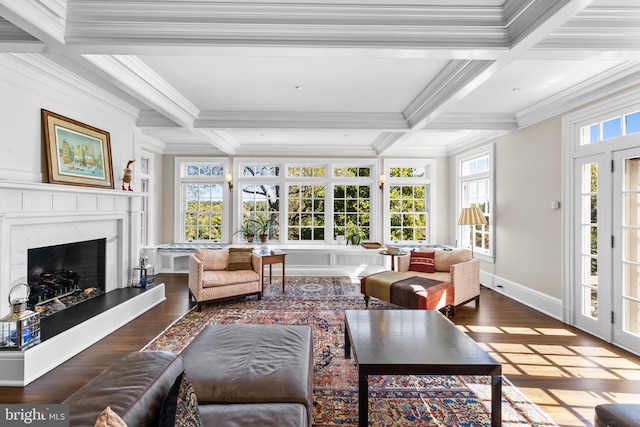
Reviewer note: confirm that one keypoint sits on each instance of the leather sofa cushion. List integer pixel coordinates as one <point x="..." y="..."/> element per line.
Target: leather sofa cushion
<point x="134" y="387"/>
<point x="617" y="415"/>
<point x="251" y="364"/>
<point x="255" y="414"/>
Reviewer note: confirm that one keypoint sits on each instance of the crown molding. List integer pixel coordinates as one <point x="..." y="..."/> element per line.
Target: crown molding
<point x="43" y="19"/>
<point x="474" y="140"/>
<point x="318" y="150"/>
<point x="127" y="23"/>
<point x="43" y="70"/>
<point x="133" y="76"/>
<point x="300" y="120"/>
<point x="614" y="80"/>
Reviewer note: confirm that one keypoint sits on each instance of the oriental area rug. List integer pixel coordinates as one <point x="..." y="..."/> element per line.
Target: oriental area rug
<point x="393" y="400"/>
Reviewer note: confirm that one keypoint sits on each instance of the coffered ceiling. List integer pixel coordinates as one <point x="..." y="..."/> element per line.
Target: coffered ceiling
<point x="335" y="78"/>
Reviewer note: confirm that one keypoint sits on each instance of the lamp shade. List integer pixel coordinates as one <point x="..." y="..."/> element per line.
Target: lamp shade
<point x="471" y="216"/>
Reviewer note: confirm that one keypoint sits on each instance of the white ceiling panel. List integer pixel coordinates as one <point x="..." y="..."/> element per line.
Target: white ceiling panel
<point x="326" y="77"/>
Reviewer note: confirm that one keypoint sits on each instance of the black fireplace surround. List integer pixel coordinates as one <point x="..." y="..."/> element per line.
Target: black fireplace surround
<point x="63" y="270"/>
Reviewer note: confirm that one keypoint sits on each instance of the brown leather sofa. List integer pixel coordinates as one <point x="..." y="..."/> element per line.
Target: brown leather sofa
<point x="242" y="375"/>
<point x="617" y="415"/>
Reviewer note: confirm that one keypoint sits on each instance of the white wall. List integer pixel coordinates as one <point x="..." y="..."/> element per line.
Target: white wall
<point x="29" y="83"/>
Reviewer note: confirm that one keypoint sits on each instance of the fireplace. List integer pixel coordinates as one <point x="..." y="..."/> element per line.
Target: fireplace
<point x="63" y="275"/>
<point x="35" y="217"/>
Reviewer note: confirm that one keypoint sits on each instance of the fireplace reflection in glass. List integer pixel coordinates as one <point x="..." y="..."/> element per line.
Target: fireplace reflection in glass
<point x="63" y="275"/>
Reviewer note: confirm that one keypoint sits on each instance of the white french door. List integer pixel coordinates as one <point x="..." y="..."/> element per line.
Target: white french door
<point x="592" y="273"/>
<point x="626" y="251"/>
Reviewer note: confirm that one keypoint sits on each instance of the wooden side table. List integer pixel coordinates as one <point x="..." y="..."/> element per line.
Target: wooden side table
<point x="393" y="256"/>
<point x="271" y="259"/>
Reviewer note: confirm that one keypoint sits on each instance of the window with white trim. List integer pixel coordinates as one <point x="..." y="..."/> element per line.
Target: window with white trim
<point x="311" y="201"/>
<point x="409" y="202"/>
<point x="201" y="195"/>
<point x="475" y="188"/>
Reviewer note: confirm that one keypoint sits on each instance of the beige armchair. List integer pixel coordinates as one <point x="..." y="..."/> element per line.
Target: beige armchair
<point x="456" y="267"/>
<point x="224" y="274"/>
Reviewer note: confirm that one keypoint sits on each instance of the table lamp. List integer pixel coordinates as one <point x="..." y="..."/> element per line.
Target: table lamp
<point x="471" y="216"/>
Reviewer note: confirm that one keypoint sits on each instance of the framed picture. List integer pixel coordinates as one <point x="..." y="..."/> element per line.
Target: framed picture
<point x="77" y="154"/>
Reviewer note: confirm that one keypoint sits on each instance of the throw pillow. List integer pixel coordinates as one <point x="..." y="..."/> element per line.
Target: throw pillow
<point x="239" y="259"/>
<point x="180" y="406"/>
<point x="108" y="418"/>
<point x="422" y="262"/>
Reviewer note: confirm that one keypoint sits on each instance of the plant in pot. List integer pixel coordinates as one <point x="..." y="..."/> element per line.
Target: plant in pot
<point x="248" y="230"/>
<point x="262" y="227"/>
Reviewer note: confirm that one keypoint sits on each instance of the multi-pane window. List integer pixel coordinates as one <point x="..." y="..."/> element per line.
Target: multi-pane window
<point x="202" y="205"/>
<point x="261" y="208"/>
<point x="614" y="127"/>
<point x="409" y="203"/>
<point x="306" y="212"/>
<point x="352" y="210"/>
<point x="475" y="176"/>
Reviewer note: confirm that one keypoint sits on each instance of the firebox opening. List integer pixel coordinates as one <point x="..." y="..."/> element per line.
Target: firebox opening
<point x="63" y="275"/>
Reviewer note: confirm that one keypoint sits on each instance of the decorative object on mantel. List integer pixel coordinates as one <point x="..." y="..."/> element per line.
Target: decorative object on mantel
<point x="128" y="176"/>
<point x="77" y="154"/>
<point x="20" y="329"/>
<point x="471" y="216"/>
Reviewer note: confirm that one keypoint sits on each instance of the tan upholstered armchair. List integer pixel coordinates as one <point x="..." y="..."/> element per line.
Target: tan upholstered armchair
<point x="456" y="267"/>
<point x="223" y="274"/>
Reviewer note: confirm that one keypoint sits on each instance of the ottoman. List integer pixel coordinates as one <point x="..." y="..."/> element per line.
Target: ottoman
<point x="408" y="291"/>
<point x="237" y="364"/>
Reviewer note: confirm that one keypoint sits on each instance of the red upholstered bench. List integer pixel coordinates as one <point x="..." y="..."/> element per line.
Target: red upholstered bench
<point x="408" y="291"/>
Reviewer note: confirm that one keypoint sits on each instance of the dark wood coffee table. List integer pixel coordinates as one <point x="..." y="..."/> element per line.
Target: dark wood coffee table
<point x="415" y="342"/>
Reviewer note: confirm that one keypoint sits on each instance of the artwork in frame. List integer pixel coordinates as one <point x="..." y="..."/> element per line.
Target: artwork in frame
<point x="77" y="154"/>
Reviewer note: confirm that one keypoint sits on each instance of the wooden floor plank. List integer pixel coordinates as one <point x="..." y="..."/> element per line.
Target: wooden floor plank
<point x="562" y="369"/>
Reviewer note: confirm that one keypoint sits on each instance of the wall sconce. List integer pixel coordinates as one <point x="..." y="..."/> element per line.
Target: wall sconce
<point x="229" y="179"/>
<point x="382" y="181"/>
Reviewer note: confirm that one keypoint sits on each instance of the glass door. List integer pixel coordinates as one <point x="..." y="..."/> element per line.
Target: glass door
<point x="626" y="254"/>
<point x="592" y="272"/>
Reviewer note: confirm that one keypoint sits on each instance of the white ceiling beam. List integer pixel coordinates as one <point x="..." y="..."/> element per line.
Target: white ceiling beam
<point x="132" y="75"/>
<point x="220" y="140"/>
<point x="301" y="120"/>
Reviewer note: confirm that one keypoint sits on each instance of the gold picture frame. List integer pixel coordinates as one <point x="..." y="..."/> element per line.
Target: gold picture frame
<point x="77" y="154"/>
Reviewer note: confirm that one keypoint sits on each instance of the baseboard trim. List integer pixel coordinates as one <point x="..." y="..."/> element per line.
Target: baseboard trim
<point x="536" y="300"/>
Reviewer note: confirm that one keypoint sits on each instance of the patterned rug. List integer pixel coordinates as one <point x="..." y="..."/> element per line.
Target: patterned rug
<point x="393" y="400"/>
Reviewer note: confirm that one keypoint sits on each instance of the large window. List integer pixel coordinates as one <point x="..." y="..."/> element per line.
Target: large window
<point x="475" y="188"/>
<point x="202" y="199"/>
<point x="409" y="202"/>
<point x="310" y="201"/>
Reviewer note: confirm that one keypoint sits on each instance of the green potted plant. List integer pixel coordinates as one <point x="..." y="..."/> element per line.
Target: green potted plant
<point x="248" y="230"/>
<point x="262" y="227"/>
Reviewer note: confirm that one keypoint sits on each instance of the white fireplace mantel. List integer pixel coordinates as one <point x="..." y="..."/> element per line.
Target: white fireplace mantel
<point x="35" y="215"/>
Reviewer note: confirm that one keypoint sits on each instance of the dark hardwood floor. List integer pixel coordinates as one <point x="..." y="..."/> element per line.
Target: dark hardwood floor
<point x="563" y="370"/>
